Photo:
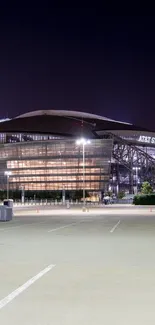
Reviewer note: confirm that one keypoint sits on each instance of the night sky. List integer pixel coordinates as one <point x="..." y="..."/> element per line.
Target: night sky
<point x="77" y="59"/>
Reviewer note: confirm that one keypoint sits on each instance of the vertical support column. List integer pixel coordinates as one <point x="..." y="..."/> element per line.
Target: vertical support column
<point x="118" y="179"/>
<point x="63" y="195"/>
<point x="131" y="182"/>
<point x="7" y="187"/>
<point x="131" y="172"/>
<point x="23" y="195"/>
<point x="83" y="175"/>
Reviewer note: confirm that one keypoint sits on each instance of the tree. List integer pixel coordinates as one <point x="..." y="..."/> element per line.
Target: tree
<point x="146" y="188"/>
<point x="121" y="194"/>
<point x="108" y="193"/>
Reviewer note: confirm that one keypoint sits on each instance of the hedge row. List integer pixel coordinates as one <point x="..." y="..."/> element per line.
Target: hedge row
<point x="147" y="199"/>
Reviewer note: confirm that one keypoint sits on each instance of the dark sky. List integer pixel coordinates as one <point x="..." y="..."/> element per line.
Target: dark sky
<point x="77" y="59"/>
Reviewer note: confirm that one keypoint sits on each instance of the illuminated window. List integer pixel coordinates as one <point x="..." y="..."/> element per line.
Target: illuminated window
<point x="50" y="164"/>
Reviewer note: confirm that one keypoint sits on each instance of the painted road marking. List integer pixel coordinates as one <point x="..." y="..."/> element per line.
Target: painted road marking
<point x="25" y="286"/>
<point x="113" y="229"/>
<point x="8" y="228"/>
<point x="62" y="227"/>
<point x="22" y="225"/>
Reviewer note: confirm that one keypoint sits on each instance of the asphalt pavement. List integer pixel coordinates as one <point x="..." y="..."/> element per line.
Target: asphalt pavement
<point x="73" y="267"/>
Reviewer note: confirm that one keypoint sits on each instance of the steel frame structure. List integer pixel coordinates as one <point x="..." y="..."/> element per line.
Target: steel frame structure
<point x="127" y="155"/>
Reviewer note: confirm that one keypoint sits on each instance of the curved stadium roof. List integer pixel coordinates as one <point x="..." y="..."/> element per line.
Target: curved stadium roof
<point x="65" y="123"/>
<point x="75" y="114"/>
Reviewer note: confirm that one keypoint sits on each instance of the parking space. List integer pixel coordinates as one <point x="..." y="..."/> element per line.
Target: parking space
<point x="75" y="267"/>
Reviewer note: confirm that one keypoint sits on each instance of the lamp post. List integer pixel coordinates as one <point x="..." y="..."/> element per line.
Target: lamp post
<point x="7" y="173"/>
<point x="136" y="169"/>
<point x="83" y="142"/>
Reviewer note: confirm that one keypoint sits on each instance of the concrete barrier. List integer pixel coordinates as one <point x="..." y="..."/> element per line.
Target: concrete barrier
<point x="6" y="213"/>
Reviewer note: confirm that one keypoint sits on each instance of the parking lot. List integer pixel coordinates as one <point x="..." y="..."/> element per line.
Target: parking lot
<point x="74" y="267"/>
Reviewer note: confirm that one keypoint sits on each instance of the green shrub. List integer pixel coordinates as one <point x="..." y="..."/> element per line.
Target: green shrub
<point x="121" y="194"/>
<point x="144" y="199"/>
<point x="146" y="188"/>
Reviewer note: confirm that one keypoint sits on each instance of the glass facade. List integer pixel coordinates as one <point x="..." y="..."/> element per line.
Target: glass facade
<point x="54" y="164"/>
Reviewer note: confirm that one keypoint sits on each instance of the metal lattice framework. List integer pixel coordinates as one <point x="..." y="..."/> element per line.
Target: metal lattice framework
<point x="131" y="156"/>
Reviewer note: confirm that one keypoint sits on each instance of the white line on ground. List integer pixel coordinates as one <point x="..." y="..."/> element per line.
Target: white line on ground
<point x="33" y="223"/>
<point x="113" y="229"/>
<point x="25" y="286"/>
<point x="21" y="225"/>
<point x="8" y="228"/>
<point x="70" y="224"/>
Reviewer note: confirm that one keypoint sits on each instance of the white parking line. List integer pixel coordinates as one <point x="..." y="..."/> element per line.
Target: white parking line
<point x="8" y="228"/>
<point x="25" y="286"/>
<point x="113" y="229"/>
<point x="22" y="225"/>
<point x="70" y="224"/>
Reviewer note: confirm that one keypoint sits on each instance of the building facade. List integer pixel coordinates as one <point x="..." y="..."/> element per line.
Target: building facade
<point x="56" y="164"/>
<point x="40" y="152"/>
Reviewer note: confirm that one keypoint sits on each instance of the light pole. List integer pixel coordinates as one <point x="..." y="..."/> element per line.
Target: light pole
<point x="136" y="169"/>
<point x="83" y="142"/>
<point x="7" y="173"/>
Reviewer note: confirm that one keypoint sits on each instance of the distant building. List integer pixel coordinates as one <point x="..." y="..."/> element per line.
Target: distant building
<point x="40" y="150"/>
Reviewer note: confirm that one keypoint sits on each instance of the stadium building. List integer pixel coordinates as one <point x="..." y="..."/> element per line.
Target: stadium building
<point x="40" y="152"/>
